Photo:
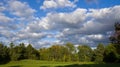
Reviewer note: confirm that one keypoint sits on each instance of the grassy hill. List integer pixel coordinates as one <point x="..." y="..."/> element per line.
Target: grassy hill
<point x="38" y="63"/>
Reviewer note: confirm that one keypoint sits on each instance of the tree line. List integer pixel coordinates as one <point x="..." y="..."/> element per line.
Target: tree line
<point x="66" y="53"/>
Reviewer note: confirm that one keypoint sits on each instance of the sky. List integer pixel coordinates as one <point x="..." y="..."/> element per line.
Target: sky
<point x="43" y="23"/>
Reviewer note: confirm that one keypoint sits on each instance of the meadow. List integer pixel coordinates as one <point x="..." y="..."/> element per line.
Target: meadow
<point x="38" y="63"/>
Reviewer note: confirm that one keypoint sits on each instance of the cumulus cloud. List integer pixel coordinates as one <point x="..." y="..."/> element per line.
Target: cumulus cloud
<point x="58" y="4"/>
<point x="13" y="16"/>
<point x="89" y="26"/>
<point x="80" y="26"/>
<point x="5" y="19"/>
<point x="21" y="10"/>
<point x="63" y="20"/>
<point x="102" y="20"/>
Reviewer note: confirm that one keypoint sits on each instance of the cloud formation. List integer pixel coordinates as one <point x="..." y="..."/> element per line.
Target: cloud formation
<point x="21" y="10"/>
<point x="47" y="4"/>
<point x="80" y="26"/>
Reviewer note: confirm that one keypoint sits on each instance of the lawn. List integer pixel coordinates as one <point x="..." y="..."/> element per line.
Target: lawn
<point x="38" y="63"/>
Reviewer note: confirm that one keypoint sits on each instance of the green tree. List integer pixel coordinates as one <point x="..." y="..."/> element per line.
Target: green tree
<point x="55" y="52"/>
<point x="22" y="51"/>
<point x="84" y="53"/>
<point x="4" y="53"/>
<point x="65" y="54"/>
<point x="115" y="39"/>
<point x="14" y="53"/>
<point x="110" y="54"/>
<point x="17" y="52"/>
<point x="44" y="54"/>
<point x="70" y="47"/>
<point x="71" y="51"/>
<point x="99" y="53"/>
<point x="11" y="50"/>
<point x="32" y="53"/>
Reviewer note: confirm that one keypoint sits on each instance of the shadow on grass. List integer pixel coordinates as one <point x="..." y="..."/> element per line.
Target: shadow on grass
<point x="4" y="62"/>
<point x="92" y="65"/>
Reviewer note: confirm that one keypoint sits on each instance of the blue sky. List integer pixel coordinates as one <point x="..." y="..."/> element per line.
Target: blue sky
<point x="46" y="22"/>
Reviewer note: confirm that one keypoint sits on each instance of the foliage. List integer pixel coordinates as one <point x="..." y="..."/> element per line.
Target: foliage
<point x="32" y="53"/>
<point x="63" y="53"/>
<point x="17" y="52"/>
<point x="85" y="53"/>
<point x="115" y="40"/>
<point x="110" y="54"/>
<point x="99" y="53"/>
<point x="4" y="53"/>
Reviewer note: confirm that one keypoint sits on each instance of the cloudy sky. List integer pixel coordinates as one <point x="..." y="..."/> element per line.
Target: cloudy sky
<point x="46" y="22"/>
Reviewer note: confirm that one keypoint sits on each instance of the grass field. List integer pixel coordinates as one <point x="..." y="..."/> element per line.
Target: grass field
<point x="38" y="63"/>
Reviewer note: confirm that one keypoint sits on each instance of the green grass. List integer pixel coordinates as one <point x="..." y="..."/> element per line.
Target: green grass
<point x="38" y="63"/>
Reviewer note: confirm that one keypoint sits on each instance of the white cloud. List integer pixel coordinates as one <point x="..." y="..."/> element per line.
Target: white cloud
<point x="5" y="19"/>
<point x="58" y="4"/>
<point x="58" y="21"/>
<point x="13" y="14"/>
<point x="30" y="35"/>
<point x="81" y="26"/>
<point x="21" y="9"/>
<point x="102" y="20"/>
<point x="63" y="20"/>
<point x="96" y="36"/>
<point x="49" y="4"/>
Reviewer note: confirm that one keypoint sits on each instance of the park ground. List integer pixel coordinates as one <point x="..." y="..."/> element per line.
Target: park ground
<point x="38" y="63"/>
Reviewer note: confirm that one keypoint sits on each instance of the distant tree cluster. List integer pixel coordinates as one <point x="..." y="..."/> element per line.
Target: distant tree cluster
<point x="65" y="53"/>
<point x="15" y="53"/>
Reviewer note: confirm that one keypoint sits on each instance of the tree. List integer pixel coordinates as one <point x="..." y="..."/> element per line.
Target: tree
<point x="44" y="54"/>
<point x="22" y="51"/>
<point x="11" y="53"/>
<point x="11" y="45"/>
<point x="115" y="39"/>
<point x="32" y="53"/>
<point x="56" y="53"/>
<point x="110" y="54"/>
<point x="71" y="51"/>
<point x="99" y="53"/>
<point x="84" y="53"/>
<point x="65" y="54"/>
<point x="70" y="47"/>
<point x="14" y="53"/>
<point x="17" y="52"/>
<point x="4" y="54"/>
